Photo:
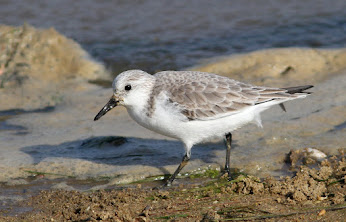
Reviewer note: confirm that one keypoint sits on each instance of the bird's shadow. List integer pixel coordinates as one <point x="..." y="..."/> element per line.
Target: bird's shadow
<point x="121" y="151"/>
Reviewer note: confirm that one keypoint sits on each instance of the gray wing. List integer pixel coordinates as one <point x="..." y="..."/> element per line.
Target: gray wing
<point x="205" y="96"/>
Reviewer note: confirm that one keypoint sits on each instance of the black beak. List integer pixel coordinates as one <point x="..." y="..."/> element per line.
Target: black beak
<point x="110" y="105"/>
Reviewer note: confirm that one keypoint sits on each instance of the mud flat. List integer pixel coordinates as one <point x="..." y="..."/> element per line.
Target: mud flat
<point x="311" y="195"/>
<point x="48" y="101"/>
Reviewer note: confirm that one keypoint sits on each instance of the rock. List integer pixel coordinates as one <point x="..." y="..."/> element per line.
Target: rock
<point x="303" y="64"/>
<point x="38" y="65"/>
<point x="43" y="55"/>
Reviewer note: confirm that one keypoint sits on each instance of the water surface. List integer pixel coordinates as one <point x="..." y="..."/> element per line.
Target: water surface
<point x="162" y="35"/>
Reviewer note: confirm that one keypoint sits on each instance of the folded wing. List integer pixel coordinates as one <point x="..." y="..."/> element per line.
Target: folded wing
<point x="202" y="96"/>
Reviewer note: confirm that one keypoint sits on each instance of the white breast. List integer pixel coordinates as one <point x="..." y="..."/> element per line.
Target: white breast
<point x="166" y="118"/>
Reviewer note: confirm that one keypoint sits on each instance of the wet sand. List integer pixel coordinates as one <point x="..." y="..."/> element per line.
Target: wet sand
<point x="48" y="136"/>
<point x="310" y="195"/>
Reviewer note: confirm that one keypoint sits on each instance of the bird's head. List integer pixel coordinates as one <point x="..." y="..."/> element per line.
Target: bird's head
<point x="130" y="88"/>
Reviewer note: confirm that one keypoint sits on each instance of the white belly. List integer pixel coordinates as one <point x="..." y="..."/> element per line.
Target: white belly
<point x="175" y="125"/>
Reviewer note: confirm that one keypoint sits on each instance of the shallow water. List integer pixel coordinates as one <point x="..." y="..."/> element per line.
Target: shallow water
<point x="162" y="35"/>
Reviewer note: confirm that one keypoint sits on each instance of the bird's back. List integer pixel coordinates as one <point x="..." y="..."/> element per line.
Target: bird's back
<point x="206" y="96"/>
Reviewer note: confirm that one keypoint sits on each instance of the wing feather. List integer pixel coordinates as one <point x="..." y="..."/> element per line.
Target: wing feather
<point x="204" y="96"/>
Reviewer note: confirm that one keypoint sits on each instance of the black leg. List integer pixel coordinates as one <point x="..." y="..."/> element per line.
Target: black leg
<point x="186" y="159"/>
<point x="228" y="154"/>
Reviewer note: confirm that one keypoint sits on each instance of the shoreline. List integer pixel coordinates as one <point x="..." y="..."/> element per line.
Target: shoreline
<point x="49" y="133"/>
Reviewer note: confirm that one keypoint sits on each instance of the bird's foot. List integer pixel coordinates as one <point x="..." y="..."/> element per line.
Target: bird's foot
<point x="226" y="174"/>
<point x="166" y="184"/>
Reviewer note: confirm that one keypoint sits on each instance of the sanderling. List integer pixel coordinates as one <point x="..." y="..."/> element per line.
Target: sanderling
<point x="194" y="107"/>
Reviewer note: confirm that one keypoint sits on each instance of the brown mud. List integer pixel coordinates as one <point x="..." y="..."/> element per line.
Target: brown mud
<point x="316" y="193"/>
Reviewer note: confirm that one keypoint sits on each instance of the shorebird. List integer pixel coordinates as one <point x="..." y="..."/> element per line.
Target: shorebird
<point x="194" y="107"/>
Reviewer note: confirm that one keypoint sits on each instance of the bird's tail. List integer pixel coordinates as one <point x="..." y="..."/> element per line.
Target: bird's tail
<point x="298" y="89"/>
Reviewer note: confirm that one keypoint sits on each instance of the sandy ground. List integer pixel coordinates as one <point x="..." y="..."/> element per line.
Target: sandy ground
<point x="49" y="142"/>
<point x="311" y="195"/>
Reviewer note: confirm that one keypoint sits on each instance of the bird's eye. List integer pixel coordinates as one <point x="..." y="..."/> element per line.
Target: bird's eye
<point x="128" y="87"/>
